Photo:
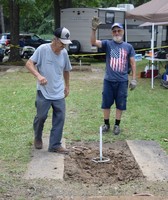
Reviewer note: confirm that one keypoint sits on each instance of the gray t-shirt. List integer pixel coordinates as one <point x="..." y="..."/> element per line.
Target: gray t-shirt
<point x="51" y="66"/>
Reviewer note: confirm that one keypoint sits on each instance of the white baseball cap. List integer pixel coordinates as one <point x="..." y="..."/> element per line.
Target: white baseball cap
<point x="63" y="34"/>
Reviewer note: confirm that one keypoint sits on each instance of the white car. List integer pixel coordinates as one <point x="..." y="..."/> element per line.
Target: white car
<point x="5" y="39"/>
<point x="25" y="52"/>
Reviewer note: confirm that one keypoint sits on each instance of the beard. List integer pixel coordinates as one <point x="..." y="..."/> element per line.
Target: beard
<point x="117" y="39"/>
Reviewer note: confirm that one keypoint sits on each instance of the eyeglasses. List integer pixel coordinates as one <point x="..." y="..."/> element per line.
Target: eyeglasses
<point x="117" y="31"/>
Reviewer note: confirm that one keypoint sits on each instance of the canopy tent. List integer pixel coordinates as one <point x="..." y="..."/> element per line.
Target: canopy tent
<point x="154" y="11"/>
<point x="157" y="24"/>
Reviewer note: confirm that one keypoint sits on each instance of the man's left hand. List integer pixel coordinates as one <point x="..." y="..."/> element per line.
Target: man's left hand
<point x="66" y="91"/>
<point x="133" y="84"/>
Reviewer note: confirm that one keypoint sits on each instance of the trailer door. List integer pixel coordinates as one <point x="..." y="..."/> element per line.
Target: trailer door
<point x="108" y="17"/>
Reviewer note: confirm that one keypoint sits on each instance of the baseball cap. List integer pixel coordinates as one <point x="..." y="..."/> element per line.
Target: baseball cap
<point x="117" y="25"/>
<point x="63" y="34"/>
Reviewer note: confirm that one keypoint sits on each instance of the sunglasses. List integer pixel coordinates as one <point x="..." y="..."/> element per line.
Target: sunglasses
<point x="117" y="31"/>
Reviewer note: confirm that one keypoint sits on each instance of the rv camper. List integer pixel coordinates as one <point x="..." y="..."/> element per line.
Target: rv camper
<point x="78" y="21"/>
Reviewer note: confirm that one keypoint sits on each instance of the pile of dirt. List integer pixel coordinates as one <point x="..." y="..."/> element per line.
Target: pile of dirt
<point x="122" y="167"/>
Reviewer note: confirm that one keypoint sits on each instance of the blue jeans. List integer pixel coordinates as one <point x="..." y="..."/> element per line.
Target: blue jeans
<point x="58" y="117"/>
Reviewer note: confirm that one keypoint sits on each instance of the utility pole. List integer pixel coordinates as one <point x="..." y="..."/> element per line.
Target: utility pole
<point x="2" y="19"/>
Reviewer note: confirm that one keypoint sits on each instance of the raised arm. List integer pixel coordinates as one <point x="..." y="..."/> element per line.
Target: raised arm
<point x="93" y="39"/>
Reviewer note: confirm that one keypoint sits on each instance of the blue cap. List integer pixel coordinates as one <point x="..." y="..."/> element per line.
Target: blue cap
<point x="117" y="25"/>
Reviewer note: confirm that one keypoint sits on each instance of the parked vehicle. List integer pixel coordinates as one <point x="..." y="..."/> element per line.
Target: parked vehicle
<point x="5" y="39"/>
<point x="25" y="52"/>
<point x="25" y="39"/>
<point x="33" y="40"/>
<point x="78" y="21"/>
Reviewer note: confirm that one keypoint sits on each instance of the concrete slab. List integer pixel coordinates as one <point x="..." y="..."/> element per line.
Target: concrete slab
<point x="45" y="164"/>
<point x="125" y="198"/>
<point x="117" y="198"/>
<point x="152" y="160"/>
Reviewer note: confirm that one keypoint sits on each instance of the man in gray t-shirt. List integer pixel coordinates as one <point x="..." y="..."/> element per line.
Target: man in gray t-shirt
<point x="50" y="64"/>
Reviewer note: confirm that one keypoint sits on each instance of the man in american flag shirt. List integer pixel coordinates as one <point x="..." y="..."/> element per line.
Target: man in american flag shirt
<point x="119" y="55"/>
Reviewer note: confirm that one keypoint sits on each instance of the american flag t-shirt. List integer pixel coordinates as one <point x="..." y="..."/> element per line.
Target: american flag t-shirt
<point x="118" y="59"/>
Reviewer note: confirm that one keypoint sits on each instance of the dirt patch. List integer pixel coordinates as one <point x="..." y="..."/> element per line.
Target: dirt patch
<point x="122" y="167"/>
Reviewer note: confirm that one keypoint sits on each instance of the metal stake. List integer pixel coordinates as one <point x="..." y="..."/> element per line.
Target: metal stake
<point x="101" y="158"/>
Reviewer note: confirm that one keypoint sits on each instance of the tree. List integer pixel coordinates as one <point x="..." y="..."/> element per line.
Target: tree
<point x="14" y="31"/>
<point x="58" y="4"/>
<point x="2" y="28"/>
<point x="56" y="13"/>
<point x="38" y="17"/>
<point x="14" y="15"/>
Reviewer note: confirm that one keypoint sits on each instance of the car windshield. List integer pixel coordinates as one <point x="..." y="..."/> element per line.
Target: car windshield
<point x="30" y="37"/>
<point x="35" y="37"/>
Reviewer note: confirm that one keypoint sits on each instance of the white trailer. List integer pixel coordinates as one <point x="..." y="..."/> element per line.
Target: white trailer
<point x="78" y="21"/>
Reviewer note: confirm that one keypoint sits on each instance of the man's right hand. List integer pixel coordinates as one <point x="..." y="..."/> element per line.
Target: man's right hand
<point x="95" y="23"/>
<point x="42" y="80"/>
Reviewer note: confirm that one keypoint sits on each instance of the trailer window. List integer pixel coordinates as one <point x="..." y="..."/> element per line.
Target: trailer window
<point x="109" y="18"/>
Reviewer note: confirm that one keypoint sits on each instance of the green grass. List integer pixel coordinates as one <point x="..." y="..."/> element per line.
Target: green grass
<point x="16" y="116"/>
<point x="145" y="118"/>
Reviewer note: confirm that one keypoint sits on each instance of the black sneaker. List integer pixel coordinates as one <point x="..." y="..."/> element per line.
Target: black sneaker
<point x="105" y="128"/>
<point x="116" y="130"/>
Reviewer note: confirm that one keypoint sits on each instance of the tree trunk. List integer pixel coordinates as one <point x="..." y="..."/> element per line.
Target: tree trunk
<point x="58" y="4"/>
<point x="66" y="3"/>
<point x="14" y="31"/>
<point x="56" y="13"/>
<point x="2" y="19"/>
